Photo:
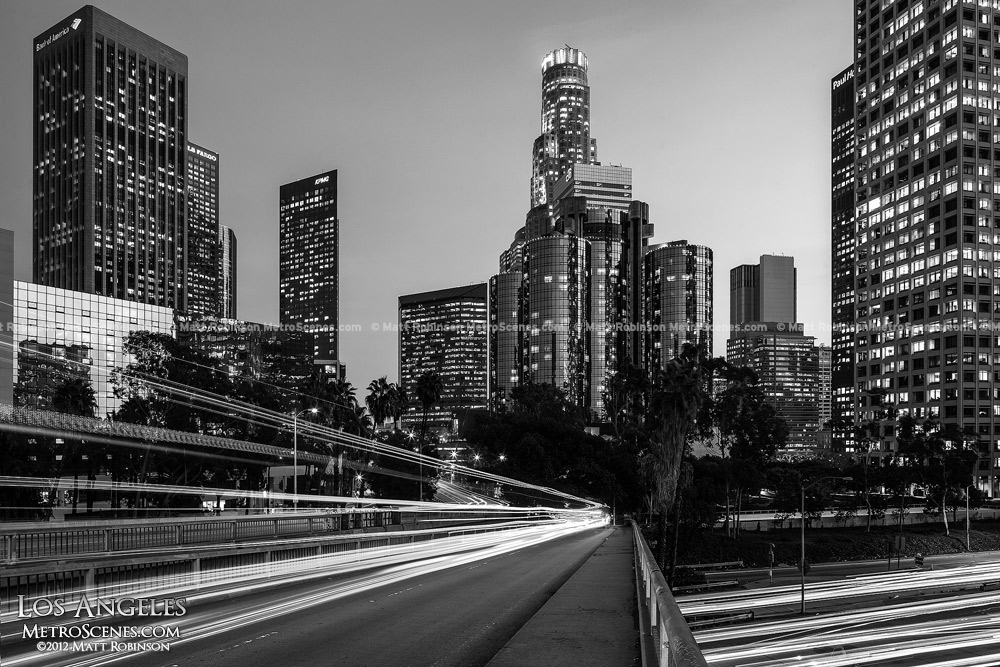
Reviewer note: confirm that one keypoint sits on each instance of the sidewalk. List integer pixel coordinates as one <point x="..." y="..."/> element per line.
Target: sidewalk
<point x="591" y="621"/>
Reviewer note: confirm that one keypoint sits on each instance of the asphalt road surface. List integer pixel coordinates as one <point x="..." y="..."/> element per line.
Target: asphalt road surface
<point x="460" y="616"/>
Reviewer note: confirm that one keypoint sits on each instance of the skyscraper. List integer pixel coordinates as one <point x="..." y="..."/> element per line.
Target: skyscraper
<point x="763" y="292"/>
<point x="567" y="302"/>
<point x="842" y="151"/>
<point x="109" y="161"/>
<point x="565" y="120"/>
<point x="444" y="331"/>
<point x="309" y="261"/>
<point x="927" y="211"/>
<point x="203" y="255"/>
<point x="678" y="301"/>
<point x="226" y="280"/>
<point x="766" y="338"/>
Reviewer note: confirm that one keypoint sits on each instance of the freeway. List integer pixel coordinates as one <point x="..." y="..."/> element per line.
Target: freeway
<point x="447" y="609"/>
<point x="948" y="616"/>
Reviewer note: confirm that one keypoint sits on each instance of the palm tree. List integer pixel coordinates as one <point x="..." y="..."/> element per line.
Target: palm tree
<point x="378" y="400"/>
<point x="397" y="400"/>
<point x="429" y="389"/>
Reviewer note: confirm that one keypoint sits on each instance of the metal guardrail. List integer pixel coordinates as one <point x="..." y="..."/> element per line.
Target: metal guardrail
<point x="75" y="539"/>
<point x="675" y="645"/>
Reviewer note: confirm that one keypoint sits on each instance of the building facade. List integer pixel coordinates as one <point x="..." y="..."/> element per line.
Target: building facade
<point x="842" y="267"/>
<point x="678" y="301"/>
<point x="226" y="280"/>
<point x="7" y="344"/>
<point x="109" y="161"/>
<point x="766" y="338"/>
<point x="787" y="363"/>
<point x="764" y="292"/>
<point x="309" y="261"/>
<point x="927" y="259"/>
<point x="445" y="331"/>
<point x="203" y="251"/>
<point x="565" y="120"/>
<point x="568" y="306"/>
<point x="62" y="334"/>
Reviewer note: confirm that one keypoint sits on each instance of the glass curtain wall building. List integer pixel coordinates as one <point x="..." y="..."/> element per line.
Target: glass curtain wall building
<point x="678" y="301"/>
<point x="109" y="161"/>
<point x="565" y="121"/>
<point x="555" y="313"/>
<point x="63" y="334"/>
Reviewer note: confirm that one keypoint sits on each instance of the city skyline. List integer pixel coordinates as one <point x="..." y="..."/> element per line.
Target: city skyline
<point x="403" y="123"/>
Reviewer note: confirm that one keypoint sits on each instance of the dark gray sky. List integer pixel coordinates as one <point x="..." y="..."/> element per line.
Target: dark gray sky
<point x="428" y="109"/>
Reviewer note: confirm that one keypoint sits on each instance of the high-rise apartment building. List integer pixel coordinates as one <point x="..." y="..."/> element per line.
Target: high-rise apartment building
<point x="842" y="268"/>
<point x="927" y="210"/>
<point x="109" y="161"/>
<point x="203" y="254"/>
<point x="226" y="280"/>
<point x="565" y="120"/>
<point x="444" y="331"/>
<point x="678" y="304"/>
<point x="309" y="261"/>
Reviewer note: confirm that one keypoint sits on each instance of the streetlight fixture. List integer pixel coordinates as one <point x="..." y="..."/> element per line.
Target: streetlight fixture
<point x="295" y="456"/>
<point x="802" y="562"/>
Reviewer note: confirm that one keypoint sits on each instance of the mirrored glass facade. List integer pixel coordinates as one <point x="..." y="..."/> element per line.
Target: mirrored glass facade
<point x="678" y="303"/>
<point x="555" y="312"/>
<point x="62" y="334"/>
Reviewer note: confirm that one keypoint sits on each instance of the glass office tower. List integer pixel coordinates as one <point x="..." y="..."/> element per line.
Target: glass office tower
<point x="565" y="121"/>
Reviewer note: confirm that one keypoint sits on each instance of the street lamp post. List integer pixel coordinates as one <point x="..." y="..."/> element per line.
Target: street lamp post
<point x="802" y="562"/>
<point x="968" y="544"/>
<point x="295" y="456"/>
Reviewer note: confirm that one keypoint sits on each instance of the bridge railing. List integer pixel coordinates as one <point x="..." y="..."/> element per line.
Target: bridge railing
<point x="28" y="541"/>
<point x="675" y="645"/>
